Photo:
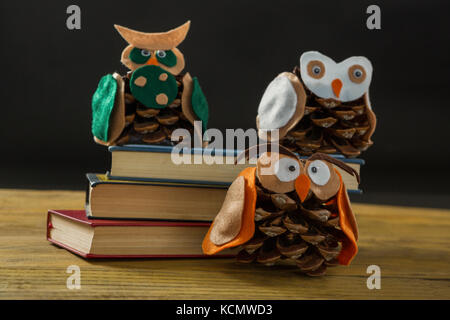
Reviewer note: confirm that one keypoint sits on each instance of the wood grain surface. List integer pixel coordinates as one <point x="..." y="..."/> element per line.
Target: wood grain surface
<point x="410" y="245"/>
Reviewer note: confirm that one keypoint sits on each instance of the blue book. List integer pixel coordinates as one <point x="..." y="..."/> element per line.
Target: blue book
<point x="156" y="163"/>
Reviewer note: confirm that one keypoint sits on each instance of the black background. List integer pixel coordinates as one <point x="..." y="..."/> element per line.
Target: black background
<point x="235" y="49"/>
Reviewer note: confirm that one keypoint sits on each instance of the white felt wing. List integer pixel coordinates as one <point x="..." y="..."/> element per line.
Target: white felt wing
<point x="278" y="104"/>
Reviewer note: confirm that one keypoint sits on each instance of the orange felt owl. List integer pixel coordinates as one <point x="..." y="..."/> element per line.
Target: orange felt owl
<point x="287" y="207"/>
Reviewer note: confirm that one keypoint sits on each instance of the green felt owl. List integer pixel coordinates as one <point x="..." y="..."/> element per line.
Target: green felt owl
<point x="154" y="98"/>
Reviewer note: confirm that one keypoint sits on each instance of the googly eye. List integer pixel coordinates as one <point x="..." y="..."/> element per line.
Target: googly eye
<point x="161" y="54"/>
<point x="287" y="169"/>
<point x="319" y="172"/>
<point x="357" y="73"/>
<point x="145" y="53"/>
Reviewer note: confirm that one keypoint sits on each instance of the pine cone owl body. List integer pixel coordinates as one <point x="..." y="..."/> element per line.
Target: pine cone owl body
<point x="308" y="233"/>
<point x="154" y="98"/>
<point x="327" y="108"/>
<point x="152" y="125"/>
<point x="287" y="208"/>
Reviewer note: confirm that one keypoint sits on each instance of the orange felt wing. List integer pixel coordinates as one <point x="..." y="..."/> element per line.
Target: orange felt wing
<point x="247" y="228"/>
<point x="348" y="225"/>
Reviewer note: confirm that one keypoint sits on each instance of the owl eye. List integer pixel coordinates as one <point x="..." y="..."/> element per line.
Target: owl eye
<point x="166" y="58"/>
<point x="161" y="54"/>
<point x="287" y="169"/>
<point x="140" y="56"/>
<point x="356" y="73"/>
<point x="319" y="172"/>
<point x="316" y="69"/>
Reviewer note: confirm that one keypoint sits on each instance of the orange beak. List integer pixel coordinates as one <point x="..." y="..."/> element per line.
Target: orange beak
<point x="302" y="185"/>
<point x="152" y="61"/>
<point x="336" y="84"/>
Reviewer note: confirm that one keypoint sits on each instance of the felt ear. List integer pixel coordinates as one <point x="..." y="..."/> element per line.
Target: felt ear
<point x="282" y="105"/>
<point x="154" y="41"/>
<point x="348" y="225"/>
<point x="235" y="223"/>
<point x="112" y="120"/>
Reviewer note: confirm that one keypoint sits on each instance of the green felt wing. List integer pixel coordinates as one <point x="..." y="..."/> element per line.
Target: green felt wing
<point x="199" y="104"/>
<point x="102" y="106"/>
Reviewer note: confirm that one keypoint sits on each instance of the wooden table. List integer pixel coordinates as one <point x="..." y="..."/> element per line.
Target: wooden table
<point x="410" y="245"/>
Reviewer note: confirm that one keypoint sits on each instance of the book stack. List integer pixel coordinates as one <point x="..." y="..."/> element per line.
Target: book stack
<point x="148" y="206"/>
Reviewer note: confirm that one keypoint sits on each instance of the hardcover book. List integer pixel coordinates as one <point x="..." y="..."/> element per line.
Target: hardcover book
<point x="107" y="198"/>
<point x="154" y="163"/>
<point x="89" y="238"/>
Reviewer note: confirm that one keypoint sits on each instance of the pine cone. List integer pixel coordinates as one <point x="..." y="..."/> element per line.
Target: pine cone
<point x="306" y="233"/>
<point x="329" y="126"/>
<point x="152" y="126"/>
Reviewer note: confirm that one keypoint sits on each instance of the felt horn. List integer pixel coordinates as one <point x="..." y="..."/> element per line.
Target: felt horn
<point x="266" y="147"/>
<point x="154" y="41"/>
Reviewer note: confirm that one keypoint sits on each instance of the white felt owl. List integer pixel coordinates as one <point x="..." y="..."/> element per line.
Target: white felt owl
<point x="322" y="106"/>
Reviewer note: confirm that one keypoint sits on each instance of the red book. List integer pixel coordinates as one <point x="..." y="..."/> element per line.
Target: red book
<point x="101" y="238"/>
